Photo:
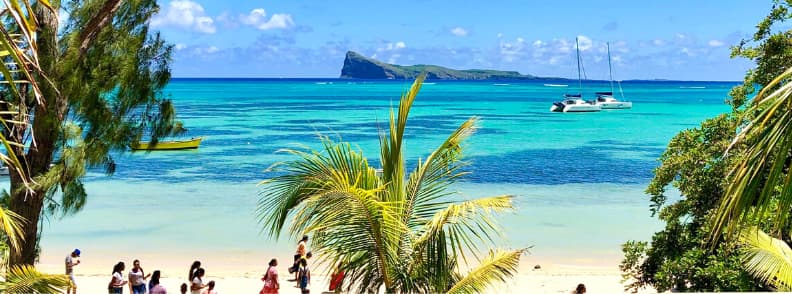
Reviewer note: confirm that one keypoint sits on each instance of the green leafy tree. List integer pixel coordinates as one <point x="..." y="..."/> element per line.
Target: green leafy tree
<point x="98" y="79"/>
<point x="682" y="255"/>
<point x="402" y="231"/>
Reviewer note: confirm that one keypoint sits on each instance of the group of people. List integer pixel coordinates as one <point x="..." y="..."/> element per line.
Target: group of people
<point x="302" y="274"/>
<point x="136" y="279"/>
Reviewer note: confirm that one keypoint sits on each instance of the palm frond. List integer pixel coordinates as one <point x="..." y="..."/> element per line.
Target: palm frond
<point x="760" y="174"/>
<point x="392" y="160"/>
<point x="496" y="268"/>
<point x="11" y="226"/>
<point x="431" y="178"/>
<point x="465" y="224"/>
<point x="26" y="279"/>
<point x="767" y="258"/>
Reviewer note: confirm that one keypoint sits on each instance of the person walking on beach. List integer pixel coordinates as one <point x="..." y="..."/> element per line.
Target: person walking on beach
<point x="210" y="288"/>
<point x="154" y="286"/>
<point x="137" y="278"/>
<point x="117" y="282"/>
<point x="302" y="248"/>
<point x="271" y="285"/>
<point x="304" y="276"/>
<point x="305" y="259"/>
<point x="183" y="288"/>
<point x="71" y="260"/>
<point x="194" y="267"/>
<point x="196" y="285"/>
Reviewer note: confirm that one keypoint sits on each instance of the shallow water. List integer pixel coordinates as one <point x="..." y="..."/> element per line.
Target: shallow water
<point x="578" y="178"/>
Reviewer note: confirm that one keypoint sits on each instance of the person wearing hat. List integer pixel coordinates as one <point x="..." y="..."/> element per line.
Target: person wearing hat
<point x="71" y="261"/>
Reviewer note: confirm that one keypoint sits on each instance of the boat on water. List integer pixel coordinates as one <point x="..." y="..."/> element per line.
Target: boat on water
<point x="606" y="100"/>
<point x="575" y="102"/>
<point x="169" y="145"/>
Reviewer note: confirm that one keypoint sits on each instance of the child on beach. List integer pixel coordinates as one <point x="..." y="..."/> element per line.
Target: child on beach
<point x="210" y="289"/>
<point x="71" y="260"/>
<point x="304" y="276"/>
<point x="154" y="284"/>
<point x="117" y="282"/>
<point x="270" y="279"/>
<point x="183" y="288"/>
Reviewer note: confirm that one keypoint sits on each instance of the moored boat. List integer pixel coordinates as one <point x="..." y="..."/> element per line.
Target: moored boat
<point x="169" y="145"/>
<point x="574" y="103"/>
<point x="605" y="100"/>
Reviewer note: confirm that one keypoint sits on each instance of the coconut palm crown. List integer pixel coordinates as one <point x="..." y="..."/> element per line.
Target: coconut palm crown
<point x="406" y="232"/>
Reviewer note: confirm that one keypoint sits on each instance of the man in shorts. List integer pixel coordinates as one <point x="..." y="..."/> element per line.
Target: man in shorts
<point x="72" y="260"/>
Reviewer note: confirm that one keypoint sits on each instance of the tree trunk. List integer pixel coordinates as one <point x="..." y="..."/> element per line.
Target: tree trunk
<point x="47" y="120"/>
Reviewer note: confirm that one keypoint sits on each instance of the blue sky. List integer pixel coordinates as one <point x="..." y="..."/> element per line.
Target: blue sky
<point x="671" y="39"/>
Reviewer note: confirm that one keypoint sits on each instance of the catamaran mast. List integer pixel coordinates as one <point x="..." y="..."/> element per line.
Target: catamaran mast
<point x="610" y="68"/>
<point x="580" y="80"/>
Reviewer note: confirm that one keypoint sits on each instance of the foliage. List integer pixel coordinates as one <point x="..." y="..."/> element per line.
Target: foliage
<point x="404" y="231"/>
<point x="767" y="258"/>
<point x="26" y="279"/>
<point x="677" y="257"/>
<point x="98" y="80"/>
<point x="696" y="164"/>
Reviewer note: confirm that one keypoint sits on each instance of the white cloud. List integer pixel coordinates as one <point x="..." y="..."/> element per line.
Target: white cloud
<point x="212" y="49"/>
<point x="400" y="45"/>
<point x="584" y="43"/>
<point x="715" y="43"/>
<point x="459" y="32"/>
<point x="184" y="14"/>
<point x="658" y="42"/>
<point x="511" y="51"/>
<point x="179" y="46"/>
<point x="257" y="18"/>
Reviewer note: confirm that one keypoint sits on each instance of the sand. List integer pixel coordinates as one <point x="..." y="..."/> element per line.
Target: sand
<point x="550" y="279"/>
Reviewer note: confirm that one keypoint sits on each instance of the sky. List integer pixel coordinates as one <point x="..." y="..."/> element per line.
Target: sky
<point x="672" y="39"/>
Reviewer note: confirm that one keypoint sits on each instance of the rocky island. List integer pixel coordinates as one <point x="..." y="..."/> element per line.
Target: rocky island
<point x="357" y="66"/>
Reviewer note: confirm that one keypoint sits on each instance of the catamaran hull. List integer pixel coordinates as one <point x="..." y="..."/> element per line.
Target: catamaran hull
<point x="615" y="105"/>
<point x="581" y="108"/>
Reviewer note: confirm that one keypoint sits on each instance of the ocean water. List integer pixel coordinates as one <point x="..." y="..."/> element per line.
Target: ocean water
<point x="578" y="178"/>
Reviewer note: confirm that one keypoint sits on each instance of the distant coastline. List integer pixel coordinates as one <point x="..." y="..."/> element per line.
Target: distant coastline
<point x="345" y="80"/>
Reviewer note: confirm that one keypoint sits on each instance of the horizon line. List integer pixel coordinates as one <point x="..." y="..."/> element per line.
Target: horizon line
<point x="522" y="80"/>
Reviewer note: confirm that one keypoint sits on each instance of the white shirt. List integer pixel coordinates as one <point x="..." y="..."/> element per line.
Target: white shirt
<point x="118" y="278"/>
<point x="69" y="264"/>
<point x="136" y="278"/>
<point x="196" y="281"/>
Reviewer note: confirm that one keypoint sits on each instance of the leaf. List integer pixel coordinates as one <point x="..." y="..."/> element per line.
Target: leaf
<point x="497" y="267"/>
<point x="766" y="258"/>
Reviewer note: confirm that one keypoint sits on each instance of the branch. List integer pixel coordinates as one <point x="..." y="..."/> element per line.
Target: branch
<point x="97" y="23"/>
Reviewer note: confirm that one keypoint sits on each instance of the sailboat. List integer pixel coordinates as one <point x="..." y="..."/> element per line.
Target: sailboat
<point x="605" y="100"/>
<point x="575" y="102"/>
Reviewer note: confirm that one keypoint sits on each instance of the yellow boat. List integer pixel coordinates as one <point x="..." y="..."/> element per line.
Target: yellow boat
<point x="169" y="145"/>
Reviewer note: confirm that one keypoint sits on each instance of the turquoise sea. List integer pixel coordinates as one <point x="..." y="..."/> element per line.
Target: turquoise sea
<point x="578" y="178"/>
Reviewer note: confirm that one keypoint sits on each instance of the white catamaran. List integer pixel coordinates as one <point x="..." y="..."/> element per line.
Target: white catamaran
<point x="575" y="102"/>
<point x="605" y="100"/>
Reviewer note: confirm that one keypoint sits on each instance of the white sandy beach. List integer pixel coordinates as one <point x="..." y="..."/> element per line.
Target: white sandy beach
<point x="543" y="281"/>
<point x="551" y="278"/>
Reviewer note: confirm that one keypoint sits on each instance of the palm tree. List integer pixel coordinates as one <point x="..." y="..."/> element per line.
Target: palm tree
<point x="760" y="184"/>
<point x="404" y="232"/>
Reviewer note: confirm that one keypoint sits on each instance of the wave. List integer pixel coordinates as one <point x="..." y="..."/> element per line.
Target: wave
<point x="692" y="87"/>
<point x="555" y="85"/>
<point x="501" y="84"/>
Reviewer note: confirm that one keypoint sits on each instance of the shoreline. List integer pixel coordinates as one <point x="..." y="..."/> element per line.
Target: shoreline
<point x="240" y="275"/>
